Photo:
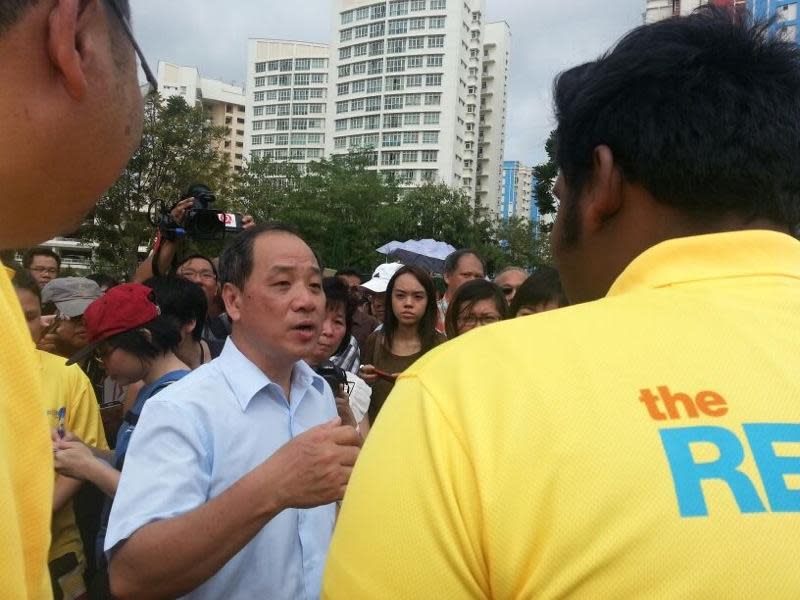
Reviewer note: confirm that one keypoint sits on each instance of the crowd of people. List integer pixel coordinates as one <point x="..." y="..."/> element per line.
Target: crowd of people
<point x="244" y="426"/>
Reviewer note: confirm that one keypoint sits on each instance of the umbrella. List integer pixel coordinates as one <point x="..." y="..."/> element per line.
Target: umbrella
<point x="428" y="254"/>
<point x="389" y="248"/>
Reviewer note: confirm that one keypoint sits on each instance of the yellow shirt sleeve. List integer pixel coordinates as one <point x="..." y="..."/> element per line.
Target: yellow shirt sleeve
<point x="84" y="414"/>
<point x="410" y="525"/>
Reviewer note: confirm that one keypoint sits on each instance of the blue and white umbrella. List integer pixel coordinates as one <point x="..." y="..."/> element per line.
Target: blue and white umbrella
<point x="427" y="254"/>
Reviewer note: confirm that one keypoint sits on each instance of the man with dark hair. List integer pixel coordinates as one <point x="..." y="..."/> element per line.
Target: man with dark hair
<point x="459" y="267"/>
<point x="643" y="444"/>
<point x="43" y="264"/>
<point x="243" y="504"/>
<point x="69" y="127"/>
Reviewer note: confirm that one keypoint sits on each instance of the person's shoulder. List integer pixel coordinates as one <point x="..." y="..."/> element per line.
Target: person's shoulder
<point x="55" y="365"/>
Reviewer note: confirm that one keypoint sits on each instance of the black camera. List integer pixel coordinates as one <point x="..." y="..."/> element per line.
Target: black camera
<point x="335" y="376"/>
<point x="205" y="223"/>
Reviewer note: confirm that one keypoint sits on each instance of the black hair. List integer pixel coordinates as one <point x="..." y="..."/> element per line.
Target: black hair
<point x="702" y="111"/>
<point x="23" y="280"/>
<point x="236" y="260"/>
<point x="104" y="279"/>
<point x="182" y="300"/>
<point x="163" y="337"/>
<point x="337" y="294"/>
<point x="426" y="328"/>
<point x="27" y="259"/>
<point x="452" y="260"/>
<point x="543" y="286"/>
<point x="12" y="11"/>
<point x="349" y="272"/>
<point x="186" y="259"/>
<point x="467" y="296"/>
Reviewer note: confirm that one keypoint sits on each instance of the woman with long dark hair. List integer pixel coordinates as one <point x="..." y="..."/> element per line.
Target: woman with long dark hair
<point x="476" y="303"/>
<point x="408" y="332"/>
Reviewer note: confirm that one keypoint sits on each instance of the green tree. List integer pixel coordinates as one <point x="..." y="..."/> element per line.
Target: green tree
<point x="546" y="174"/>
<point x="179" y="146"/>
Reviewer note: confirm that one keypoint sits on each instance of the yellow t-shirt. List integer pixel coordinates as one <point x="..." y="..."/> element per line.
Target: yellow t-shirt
<point x="68" y="388"/>
<point x="26" y="459"/>
<point x="646" y="445"/>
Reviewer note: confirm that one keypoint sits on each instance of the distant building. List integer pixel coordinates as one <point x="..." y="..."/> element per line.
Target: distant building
<point x="785" y="12"/>
<point x="518" y="192"/>
<point x="657" y="10"/>
<point x="224" y="103"/>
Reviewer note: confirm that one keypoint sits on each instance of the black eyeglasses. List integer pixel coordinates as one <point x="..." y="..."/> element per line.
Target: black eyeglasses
<point x="152" y="84"/>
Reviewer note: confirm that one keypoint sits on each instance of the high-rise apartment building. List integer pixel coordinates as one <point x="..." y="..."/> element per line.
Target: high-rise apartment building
<point x="492" y="123"/>
<point x="785" y="11"/>
<point x="657" y="10"/>
<point x="224" y="104"/>
<point x="518" y="192"/>
<point x="287" y="94"/>
<point x="406" y="79"/>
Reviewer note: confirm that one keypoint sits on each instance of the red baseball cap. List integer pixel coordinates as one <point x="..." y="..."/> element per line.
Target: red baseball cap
<point x="120" y="309"/>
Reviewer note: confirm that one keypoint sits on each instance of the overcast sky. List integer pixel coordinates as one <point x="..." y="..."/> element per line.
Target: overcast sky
<point x="547" y="37"/>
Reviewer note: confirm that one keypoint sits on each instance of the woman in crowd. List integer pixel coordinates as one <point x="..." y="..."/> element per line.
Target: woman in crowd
<point x="408" y="332"/>
<point x="351" y="392"/>
<point x="541" y="292"/>
<point x="476" y="303"/>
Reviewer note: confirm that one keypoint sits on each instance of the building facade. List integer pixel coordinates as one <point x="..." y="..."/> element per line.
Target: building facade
<point x="518" y="192"/>
<point x="224" y="104"/>
<point x="785" y="12"/>
<point x="657" y="10"/>
<point x="492" y="123"/>
<point x="406" y="79"/>
<point x="287" y="95"/>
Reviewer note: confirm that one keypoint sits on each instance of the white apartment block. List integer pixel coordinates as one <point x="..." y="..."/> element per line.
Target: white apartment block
<point x="401" y="72"/>
<point x="287" y="94"/>
<point x="224" y="104"/>
<point x="492" y="122"/>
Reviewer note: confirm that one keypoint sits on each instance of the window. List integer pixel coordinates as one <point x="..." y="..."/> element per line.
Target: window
<point x="261" y="67"/>
<point x="416" y="24"/>
<point x="414" y="81"/>
<point x="392" y="121"/>
<point x="361" y="31"/>
<point x="301" y="79"/>
<point x="373" y="122"/>
<point x="416" y="43"/>
<point x="398" y="27"/>
<point x="362" y="13"/>
<point x="357" y="105"/>
<point x="258" y="111"/>
<point x="358" y="87"/>
<point x="389" y="158"/>
<point x="438" y="4"/>
<point x="435" y="41"/>
<point x="433" y="99"/>
<point x="319" y="77"/>
<point x="256" y="140"/>
<point x="473" y="53"/>
<point x="342" y="107"/>
<point x="410" y="157"/>
<point x="258" y="96"/>
<point x="376" y="48"/>
<point x="286" y="65"/>
<point x="397" y="46"/>
<point x="342" y="89"/>
<point x="395" y="65"/>
<point x="377" y="29"/>
<point x="340" y="142"/>
<point x="393" y="102"/>
<point x="359" y="68"/>
<point x="260" y="81"/>
<point x="269" y="140"/>
<point x="407" y="176"/>
<point x="347" y="17"/>
<point x="344" y="71"/>
<point x="395" y="84"/>
<point x="430" y="155"/>
<point x="371" y="140"/>
<point x="315" y="123"/>
<point x="372" y="104"/>
<point x="341" y="124"/>
<point x="319" y="63"/>
<point x="355" y="141"/>
<point x="430" y="137"/>
<point x="316" y="93"/>
<point x="375" y="66"/>
<point x="470" y="108"/>
<point x="344" y="53"/>
<point x="374" y="85"/>
<point x="314" y="138"/>
<point x="283" y="110"/>
<point x="316" y="109"/>
<point x="413" y="99"/>
<point x="258" y="125"/>
<point x="345" y="35"/>
<point x="472" y="89"/>
<point x="356" y="122"/>
<point x="433" y="80"/>
<point x="428" y="174"/>
<point x="360" y="50"/>
<point x="414" y="62"/>
<point x="314" y="153"/>
<point x="435" y="60"/>
<point x="411" y="118"/>
<point x="282" y="124"/>
<point x="284" y="95"/>
<point x="302" y="64"/>
<point x="273" y="65"/>
<point x="398" y="7"/>
<point x="300" y="109"/>
<point x="298" y="154"/>
<point x="436" y="23"/>
<point x="431" y="118"/>
<point x="300" y="94"/>
<point x="411" y="137"/>
<point x="377" y="11"/>
<point x="272" y="95"/>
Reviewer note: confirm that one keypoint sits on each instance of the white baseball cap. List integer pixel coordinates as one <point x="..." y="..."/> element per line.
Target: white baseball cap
<point x="381" y="276"/>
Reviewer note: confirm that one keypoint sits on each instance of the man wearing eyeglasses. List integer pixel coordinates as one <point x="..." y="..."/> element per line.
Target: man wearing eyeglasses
<point x="71" y="117"/>
<point x="43" y="264"/>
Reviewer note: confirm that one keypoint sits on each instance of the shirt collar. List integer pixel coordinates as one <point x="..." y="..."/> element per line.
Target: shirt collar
<point x="713" y="256"/>
<point x="246" y="379"/>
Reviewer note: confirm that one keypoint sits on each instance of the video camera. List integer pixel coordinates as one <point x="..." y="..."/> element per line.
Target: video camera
<point x="335" y="376"/>
<point x="202" y="223"/>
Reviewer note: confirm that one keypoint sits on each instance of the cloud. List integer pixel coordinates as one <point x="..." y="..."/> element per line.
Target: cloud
<point x="547" y="36"/>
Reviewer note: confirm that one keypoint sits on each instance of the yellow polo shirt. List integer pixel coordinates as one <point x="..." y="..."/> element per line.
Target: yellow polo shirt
<point x="69" y="388"/>
<point x="646" y="445"/>
<point x="26" y="459"/>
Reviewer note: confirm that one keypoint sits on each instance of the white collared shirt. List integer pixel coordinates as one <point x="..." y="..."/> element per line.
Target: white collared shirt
<point x="201" y="435"/>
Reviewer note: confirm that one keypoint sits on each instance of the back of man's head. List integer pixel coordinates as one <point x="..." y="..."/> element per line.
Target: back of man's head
<point x="702" y="111"/>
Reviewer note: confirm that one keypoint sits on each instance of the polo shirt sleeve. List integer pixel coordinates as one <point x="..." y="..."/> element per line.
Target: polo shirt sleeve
<point x="83" y="415"/>
<point x="411" y="521"/>
<point x="167" y="471"/>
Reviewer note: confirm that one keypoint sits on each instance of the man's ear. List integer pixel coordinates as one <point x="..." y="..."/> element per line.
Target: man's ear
<point x="231" y="298"/>
<point x="69" y="39"/>
<point x="603" y="193"/>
